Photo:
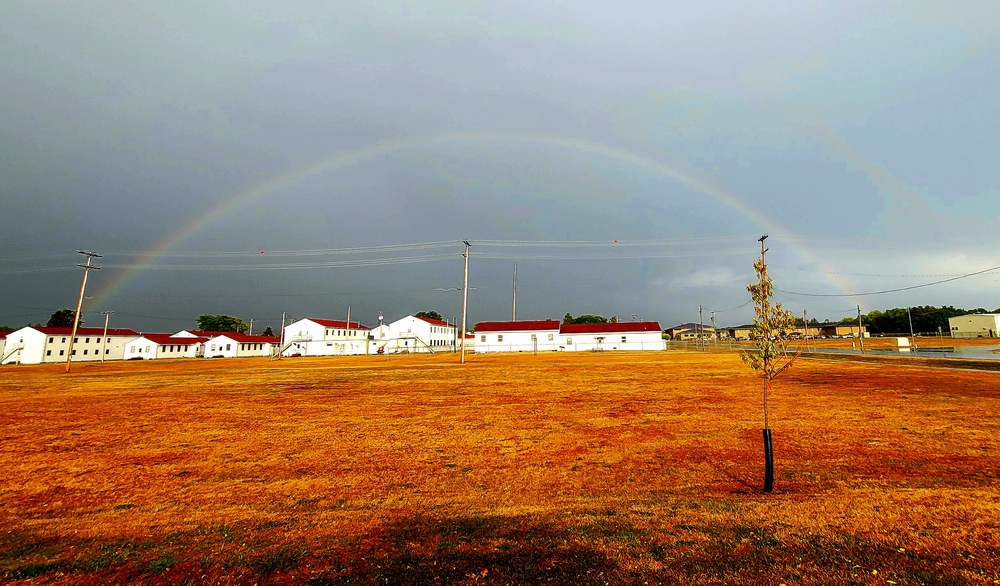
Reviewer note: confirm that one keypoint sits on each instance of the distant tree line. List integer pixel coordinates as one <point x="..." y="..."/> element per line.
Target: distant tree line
<point x="926" y="319"/>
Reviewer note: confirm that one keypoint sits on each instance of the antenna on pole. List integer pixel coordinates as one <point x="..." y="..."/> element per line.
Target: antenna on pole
<point x="76" y="317"/>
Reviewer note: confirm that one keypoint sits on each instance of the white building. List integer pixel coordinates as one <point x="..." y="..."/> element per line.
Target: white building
<point x="975" y="325"/>
<point x="612" y="336"/>
<point x="550" y="335"/>
<point x="325" y="337"/>
<point x="415" y="335"/>
<point x="3" y="343"/>
<point x="236" y="345"/>
<point x="35" y="345"/>
<point x="154" y="346"/>
<point x="517" y="336"/>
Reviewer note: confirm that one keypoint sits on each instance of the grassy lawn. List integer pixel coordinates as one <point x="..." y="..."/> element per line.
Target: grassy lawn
<point x="559" y="468"/>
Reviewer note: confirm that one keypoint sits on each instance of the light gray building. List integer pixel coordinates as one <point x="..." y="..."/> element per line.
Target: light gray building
<point x="975" y="325"/>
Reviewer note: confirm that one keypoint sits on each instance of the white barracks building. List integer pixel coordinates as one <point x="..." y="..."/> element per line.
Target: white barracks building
<point x="35" y="345"/>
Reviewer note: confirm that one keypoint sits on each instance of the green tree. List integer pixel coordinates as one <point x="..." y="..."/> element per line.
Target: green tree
<point x="268" y="332"/>
<point x="221" y="323"/>
<point x="772" y="325"/>
<point x="429" y="315"/>
<point x="568" y="319"/>
<point x="62" y="318"/>
<point x="6" y="328"/>
<point x="590" y="319"/>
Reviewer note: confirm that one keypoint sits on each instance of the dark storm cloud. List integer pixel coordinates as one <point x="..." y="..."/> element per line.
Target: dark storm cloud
<point x="863" y="132"/>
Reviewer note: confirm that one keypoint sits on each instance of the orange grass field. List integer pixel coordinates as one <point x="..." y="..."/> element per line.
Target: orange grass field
<point x="584" y="468"/>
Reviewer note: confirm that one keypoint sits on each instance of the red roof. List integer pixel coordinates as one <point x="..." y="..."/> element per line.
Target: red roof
<point x="86" y="331"/>
<point x="237" y="337"/>
<point x="434" y="322"/>
<point x="331" y="323"/>
<point x="165" y="339"/>
<point x="3" y="333"/>
<point x="623" y="327"/>
<point x="517" y="326"/>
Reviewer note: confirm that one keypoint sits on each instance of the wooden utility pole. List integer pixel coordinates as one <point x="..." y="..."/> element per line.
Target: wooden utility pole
<point x="465" y="294"/>
<point x="861" y="334"/>
<point x="79" y="303"/>
<point x="104" y="339"/>
<point x="701" y="332"/>
<point x="513" y="307"/>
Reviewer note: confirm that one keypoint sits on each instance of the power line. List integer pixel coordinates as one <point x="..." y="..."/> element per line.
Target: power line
<point x="874" y="274"/>
<point x="965" y="276"/>
<point x="733" y="308"/>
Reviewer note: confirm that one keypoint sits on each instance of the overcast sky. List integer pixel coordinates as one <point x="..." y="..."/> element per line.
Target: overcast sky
<point x="862" y="136"/>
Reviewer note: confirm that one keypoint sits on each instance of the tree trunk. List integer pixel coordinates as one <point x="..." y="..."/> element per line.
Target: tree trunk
<point x="768" y="461"/>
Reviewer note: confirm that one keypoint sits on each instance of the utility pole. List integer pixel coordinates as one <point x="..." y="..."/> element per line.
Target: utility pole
<point x="281" y="343"/>
<point x="465" y="294"/>
<point x="701" y="333"/>
<point x="715" y="333"/>
<point x="861" y="334"/>
<point x="805" y="329"/>
<point x="910" y="319"/>
<point x="104" y="339"/>
<point x="79" y="304"/>
<point x="250" y="331"/>
<point x="513" y="311"/>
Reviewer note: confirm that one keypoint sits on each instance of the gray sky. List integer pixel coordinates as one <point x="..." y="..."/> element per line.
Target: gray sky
<point x="862" y="136"/>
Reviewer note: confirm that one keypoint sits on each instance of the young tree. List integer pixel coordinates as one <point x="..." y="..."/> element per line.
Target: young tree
<point x="268" y="332"/>
<point x="772" y="326"/>
<point x="429" y="315"/>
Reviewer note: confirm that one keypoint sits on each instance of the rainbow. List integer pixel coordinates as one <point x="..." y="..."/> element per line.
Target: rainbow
<point x="341" y="159"/>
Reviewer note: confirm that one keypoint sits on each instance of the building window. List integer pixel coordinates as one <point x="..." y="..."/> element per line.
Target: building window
<point x="499" y="337"/>
<point x="551" y="337"/>
<point x="133" y="349"/>
<point x="482" y="338"/>
<point x="74" y="353"/>
<point x="62" y="352"/>
<point x="107" y="351"/>
<point x="64" y="340"/>
<point x="228" y="346"/>
<point x="534" y="337"/>
<point x="48" y="352"/>
<point x="569" y="341"/>
<point x="147" y="348"/>
<point x="51" y="340"/>
<point x="85" y="352"/>
<point x="623" y="339"/>
<point x="75" y="340"/>
<point x="87" y="340"/>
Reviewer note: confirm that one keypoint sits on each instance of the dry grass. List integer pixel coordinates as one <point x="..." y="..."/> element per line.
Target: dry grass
<point x="562" y="468"/>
